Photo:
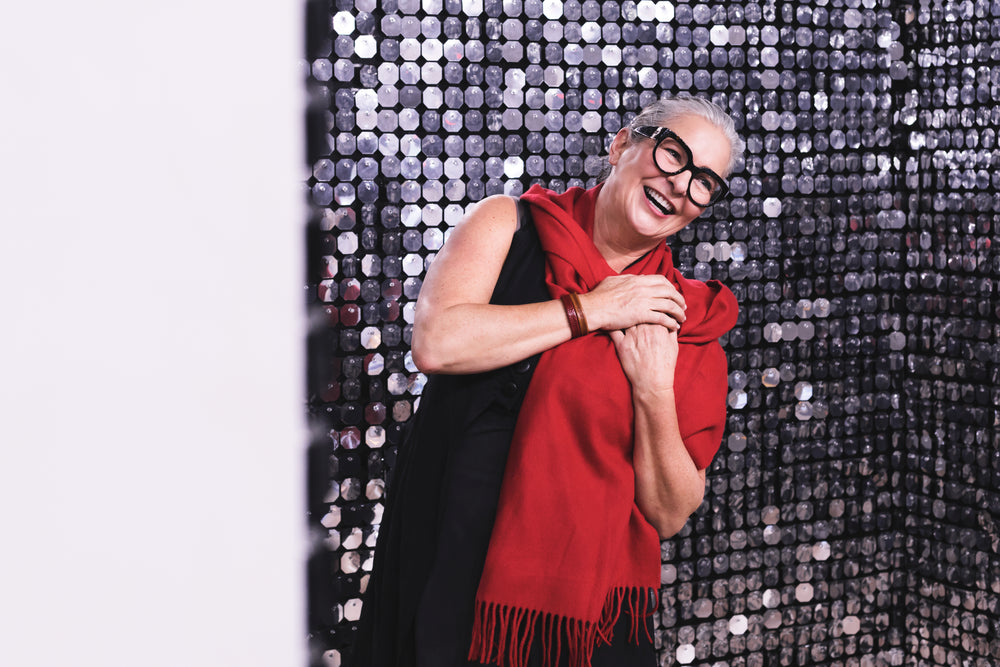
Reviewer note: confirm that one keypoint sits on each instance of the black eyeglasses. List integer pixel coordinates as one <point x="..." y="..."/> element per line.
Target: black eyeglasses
<point x="672" y="156"/>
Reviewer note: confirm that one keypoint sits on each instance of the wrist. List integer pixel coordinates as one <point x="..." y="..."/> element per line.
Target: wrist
<point x="652" y="394"/>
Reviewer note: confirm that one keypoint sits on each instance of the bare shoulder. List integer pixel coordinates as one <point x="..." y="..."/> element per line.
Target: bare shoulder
<point x="498" y="211"/>
<point x="467" y="267"/>
<point x="487" y="228"/>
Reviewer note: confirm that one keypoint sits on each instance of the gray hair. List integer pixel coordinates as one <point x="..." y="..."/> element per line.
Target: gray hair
<point x="663" y="111"/>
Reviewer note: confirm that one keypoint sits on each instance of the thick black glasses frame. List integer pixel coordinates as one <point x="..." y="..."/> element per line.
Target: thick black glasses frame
<point x="659" y="134"/>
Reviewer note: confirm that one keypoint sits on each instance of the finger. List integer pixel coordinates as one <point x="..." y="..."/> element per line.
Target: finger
<point x="668" y="293"/>
<point x="672" y="309"/>
<point x="654" y="278"/>
<point x="671" y="324"/>
<point x="675" y="296"/>
<point x="617" y="336"/>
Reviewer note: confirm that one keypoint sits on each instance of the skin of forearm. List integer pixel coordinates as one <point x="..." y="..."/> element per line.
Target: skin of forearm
<point x="473" y="338"/>
<point x="668" y="486"/>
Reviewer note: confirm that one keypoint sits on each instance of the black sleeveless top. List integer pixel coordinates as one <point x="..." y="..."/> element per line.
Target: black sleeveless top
<point x="460" y="418"/>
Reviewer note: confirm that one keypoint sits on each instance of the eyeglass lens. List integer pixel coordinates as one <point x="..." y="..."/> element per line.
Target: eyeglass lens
<point x="673" y="156"/>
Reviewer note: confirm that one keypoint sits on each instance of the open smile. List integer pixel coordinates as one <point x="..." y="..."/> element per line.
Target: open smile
<point x="659" y="202"/>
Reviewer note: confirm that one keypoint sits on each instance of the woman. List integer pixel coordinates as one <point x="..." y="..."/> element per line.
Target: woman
<point x="524" y="520"/>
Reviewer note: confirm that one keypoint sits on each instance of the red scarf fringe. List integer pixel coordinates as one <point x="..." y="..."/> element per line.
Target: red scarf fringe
<point x="504" y="635"/>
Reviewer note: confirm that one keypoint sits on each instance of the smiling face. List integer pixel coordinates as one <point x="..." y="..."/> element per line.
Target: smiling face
<point x="640" y="205"/>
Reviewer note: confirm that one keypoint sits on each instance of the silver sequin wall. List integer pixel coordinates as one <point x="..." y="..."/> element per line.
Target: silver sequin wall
<point x="853" y="513"/>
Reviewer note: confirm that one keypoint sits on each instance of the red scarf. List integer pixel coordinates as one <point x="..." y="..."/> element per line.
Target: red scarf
<point x="569" y="547"/>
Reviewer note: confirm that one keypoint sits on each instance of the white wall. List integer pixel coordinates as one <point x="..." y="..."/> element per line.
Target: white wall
<point x="151" y="431"/>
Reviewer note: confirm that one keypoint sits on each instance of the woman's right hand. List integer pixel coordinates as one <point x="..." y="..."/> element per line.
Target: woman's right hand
<point x="623" y="301"/>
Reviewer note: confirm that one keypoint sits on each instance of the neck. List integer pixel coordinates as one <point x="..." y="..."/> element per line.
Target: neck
<point x="618" y="249"/>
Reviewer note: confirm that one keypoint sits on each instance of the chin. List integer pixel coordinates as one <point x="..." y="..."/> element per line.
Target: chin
<point x="658" y="226"/>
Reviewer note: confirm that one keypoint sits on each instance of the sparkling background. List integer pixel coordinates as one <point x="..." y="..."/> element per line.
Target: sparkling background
<point x="853" y="513"/>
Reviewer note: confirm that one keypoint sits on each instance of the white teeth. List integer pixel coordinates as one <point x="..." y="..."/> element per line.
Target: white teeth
<point x="659" y="200"/>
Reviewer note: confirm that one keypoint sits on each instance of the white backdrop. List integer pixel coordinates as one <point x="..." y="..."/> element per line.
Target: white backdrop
<point x="151" y="362"/>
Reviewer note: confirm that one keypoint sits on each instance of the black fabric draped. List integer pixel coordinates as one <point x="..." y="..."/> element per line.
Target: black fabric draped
<point x="441" y="503"/>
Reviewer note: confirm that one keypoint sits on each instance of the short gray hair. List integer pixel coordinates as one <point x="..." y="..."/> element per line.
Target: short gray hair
<point x="661" y="112"/>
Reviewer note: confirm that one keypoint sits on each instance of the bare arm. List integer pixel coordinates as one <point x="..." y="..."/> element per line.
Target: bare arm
<point x="668" y="485"/>
<point x="457" y="330"/>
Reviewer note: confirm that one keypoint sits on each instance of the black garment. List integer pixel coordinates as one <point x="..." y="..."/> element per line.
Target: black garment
<point x="418" y="608"/>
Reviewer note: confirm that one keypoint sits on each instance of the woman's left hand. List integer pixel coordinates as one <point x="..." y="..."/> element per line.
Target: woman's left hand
<point x="648" y="354"/>
<point x="668" y="485"/>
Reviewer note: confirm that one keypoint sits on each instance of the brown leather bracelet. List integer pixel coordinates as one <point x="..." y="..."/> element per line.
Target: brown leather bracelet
<point x="584" y="329"/>
<point x="572" y="315"/>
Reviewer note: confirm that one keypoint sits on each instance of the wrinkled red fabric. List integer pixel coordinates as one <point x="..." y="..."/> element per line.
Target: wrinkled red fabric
<point x="569" y="548"/>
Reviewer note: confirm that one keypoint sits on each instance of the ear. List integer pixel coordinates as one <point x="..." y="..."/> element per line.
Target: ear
<point x="618" y="146"/>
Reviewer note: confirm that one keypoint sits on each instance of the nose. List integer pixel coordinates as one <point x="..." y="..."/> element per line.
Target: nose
<point x="680" y="181"/>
